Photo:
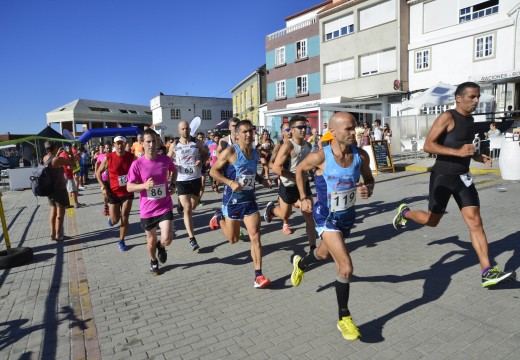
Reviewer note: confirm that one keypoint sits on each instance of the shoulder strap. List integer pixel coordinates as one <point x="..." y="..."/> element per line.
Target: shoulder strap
<point x="48" y="161"/>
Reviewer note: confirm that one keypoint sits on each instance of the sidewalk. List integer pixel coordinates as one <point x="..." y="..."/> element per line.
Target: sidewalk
<point x="416" y="293"/>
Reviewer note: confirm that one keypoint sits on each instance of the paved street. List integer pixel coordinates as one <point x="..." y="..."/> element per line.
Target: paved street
<point x="416" y="293"/>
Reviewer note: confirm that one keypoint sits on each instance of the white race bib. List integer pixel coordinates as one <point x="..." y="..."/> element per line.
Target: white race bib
<point x="121" y="180"/>
<point x="157" y="192"/>
<point x="247" y="181"/>
<point x="187" y="169"/>
<point x="467" y="179"/>
<point x="342" y="200"/>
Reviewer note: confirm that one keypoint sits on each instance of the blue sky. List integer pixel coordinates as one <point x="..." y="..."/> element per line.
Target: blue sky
<point x="56" y="51"/>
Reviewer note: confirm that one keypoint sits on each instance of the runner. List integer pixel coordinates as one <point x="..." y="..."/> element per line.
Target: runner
<point x="291" y="153"/>
<point x="149" y="176"/>
<point x="285" y="130"/>
<point x="205" y="169"/>
<point x="137" y="147"/>
<point x="265" y="149"/>
<point x="338" y="170"/>
<point x="212" y="147"/>
<point x="451" y="139"/>
<point x="237" y="168"/>
<point x="104" y="151"/>
<point x="230" y="139"/>
<point x="120" y="200"/>
<point x="189" y="155"/>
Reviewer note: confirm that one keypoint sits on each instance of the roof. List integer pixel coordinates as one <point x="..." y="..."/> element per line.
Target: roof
<point x="86" y="105"/>
<point x="339" y="3"/>
<point x="308" y="10"/>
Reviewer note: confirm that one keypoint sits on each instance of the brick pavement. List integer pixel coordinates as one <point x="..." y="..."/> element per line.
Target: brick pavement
<point x="416" y="293"/>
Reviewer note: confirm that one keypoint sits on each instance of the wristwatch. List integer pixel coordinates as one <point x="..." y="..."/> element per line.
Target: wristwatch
<point x="304" y="198"/>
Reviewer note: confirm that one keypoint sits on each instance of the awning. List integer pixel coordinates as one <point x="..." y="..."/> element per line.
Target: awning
<point x="440" y="94"/>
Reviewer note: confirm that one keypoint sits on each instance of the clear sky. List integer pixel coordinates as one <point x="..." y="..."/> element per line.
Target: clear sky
<point x="55" y="51"/>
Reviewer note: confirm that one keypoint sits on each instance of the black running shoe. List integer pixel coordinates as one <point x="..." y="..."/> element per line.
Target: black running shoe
<point x="193" y="244"/>
<point x="154" y="267"/>
<point x="161" y="253"/>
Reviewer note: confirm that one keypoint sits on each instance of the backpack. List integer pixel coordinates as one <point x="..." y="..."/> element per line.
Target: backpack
<point x="41" y="181"/>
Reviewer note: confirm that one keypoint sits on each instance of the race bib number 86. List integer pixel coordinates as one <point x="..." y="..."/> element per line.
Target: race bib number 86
<point x="157" y="192"/>
<point x="342" y="200"/>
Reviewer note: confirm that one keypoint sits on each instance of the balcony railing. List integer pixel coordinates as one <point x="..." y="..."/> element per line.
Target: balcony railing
<point x="289" y="29"/>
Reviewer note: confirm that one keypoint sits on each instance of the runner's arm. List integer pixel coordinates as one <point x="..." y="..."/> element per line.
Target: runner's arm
<point x="273" y="155"/>
<point x="284" y="154"/>
<point x="366" y="188"/>
<point x="100" y="169"/>
<point x="312" y="161"/>
<point x="445" y="123"/>
<point x="228" y="156"/>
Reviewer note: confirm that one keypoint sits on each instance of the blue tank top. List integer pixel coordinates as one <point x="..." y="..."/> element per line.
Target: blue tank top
<point x="336" y="188"/>
<point x="242" y="171"/>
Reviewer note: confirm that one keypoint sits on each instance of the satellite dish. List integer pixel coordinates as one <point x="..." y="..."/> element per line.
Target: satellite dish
<point x="194" y="125"/>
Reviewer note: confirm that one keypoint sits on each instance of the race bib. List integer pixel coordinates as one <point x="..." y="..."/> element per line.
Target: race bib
<point x="157" y="192"/>
<point x="214" y="153"/>
<point x="247" y="182"/>
<point x="187" y="169"/>
<point x="467" y="179"/>
<point x="121" y="180"/>
<point x="342" y="200"/>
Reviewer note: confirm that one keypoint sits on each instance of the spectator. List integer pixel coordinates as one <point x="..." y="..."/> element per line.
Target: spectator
<point x="387" y="133"/>
<point x="493" y="131"/>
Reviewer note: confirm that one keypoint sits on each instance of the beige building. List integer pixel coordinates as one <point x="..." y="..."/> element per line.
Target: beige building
<point x="249" y="95"/>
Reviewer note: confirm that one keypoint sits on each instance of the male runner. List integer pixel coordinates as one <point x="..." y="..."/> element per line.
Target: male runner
<point x="189" y="155"/>
<point x="120" y="200"/>
<point x="338" y="170"/>
<point x="225" y="141"/>
<point x="291" y="153"/>
<point x="149" y="176"/>
<point x="451" y="139"/>
<point x="237" y="168"/>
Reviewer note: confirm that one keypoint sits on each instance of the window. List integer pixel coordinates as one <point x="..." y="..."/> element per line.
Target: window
<point x="339" y="27"/>
<point x="225" y="114"/>
<point x="383" y="61"/>
<point x="484" y="47"/>
<point x="132" y="112"/>
<point x="376" y="15"/>
<point x="123" y="111"/>
<point x="280" y="56"/>
<point x="434" y="110"/>
<point x="301" y="49"/>
<point x="206" y="114"/>
<point x="175" y="114"/>
<point x="280" y="90"/>
<point x="98" y="109"/>
<point x="302" y="85"/>
<point x="422" y="60"/>
<point x="340" y="70"/>
<point x="479" y="10"/>
<point x="148" y="112"/>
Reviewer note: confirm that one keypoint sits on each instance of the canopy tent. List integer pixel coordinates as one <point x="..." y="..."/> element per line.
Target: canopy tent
<point x="108" y="132"/>
<point x="440" y="94"/>
<point x="36" y="141"/>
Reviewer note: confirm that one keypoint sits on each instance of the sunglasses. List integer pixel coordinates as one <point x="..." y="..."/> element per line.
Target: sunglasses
<point x="287" y="129"/>
<point x="119" y="142"/>
<point x="300" y="127"/>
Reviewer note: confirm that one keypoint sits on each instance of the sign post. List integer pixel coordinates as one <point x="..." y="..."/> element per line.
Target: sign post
<point x="382" y="155"/>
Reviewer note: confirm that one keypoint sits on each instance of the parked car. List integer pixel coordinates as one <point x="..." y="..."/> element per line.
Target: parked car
<point x="4" y="163"/>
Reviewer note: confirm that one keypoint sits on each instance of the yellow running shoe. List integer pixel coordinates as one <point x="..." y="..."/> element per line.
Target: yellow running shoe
<point x="297" y="274"/>
<point x="399" y="220"/>
<point x="348" y="329"/>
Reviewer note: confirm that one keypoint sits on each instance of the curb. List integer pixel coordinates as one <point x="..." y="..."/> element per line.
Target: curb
<point x="416" y="168"/>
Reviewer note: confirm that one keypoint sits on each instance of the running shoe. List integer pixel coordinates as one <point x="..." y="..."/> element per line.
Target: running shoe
<point x="261" y="282"/>
<point x="81" y="187"/>
<point x="110" y="222"/>
<point x="213" y="223"/>
<point x="200" y="204"/>
<point x="122" y="245"/>
<point x="348" y="329"/>
<point x="161" y="253"/>
<point x="79" y="205"/>
<point x="286" y="229"/>
<point x="494" y="276"/>
<point x="193" y="244"/>
<point x="399" y="220"/>
<point x="297" y="273"/>
<point x="268" y="214"/>
<point x="154" y="267"/>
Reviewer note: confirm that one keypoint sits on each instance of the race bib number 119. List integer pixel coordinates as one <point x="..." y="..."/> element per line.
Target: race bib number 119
<point x="342" y="200"/>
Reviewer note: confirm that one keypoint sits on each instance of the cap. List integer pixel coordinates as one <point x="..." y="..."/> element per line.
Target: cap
<point x="119" y="138"/>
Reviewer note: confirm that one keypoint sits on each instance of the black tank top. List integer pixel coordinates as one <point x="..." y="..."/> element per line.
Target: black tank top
<point x="462" y="133"/>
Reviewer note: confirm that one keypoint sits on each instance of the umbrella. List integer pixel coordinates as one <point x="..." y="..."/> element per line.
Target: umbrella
<point x="440" y="94"/>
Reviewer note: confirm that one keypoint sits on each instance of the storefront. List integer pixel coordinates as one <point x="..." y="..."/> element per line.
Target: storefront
<point x="505" y="87"/>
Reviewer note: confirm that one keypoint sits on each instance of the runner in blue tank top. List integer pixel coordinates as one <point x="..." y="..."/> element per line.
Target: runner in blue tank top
<point x="236" y="167"/>
<point x="338" y="167"/>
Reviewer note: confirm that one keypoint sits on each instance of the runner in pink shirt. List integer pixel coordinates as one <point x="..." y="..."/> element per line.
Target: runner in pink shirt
<point x="104" y="176"/>
<point x="149" y="175"/>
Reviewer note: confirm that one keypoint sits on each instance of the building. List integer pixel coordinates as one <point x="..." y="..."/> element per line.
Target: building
<point x="92" y="114"/>
<point x="293" y="69"/>
<point x="169" y="110"/>
<point x="248" y="95"/>
<point x="466" y="40"/>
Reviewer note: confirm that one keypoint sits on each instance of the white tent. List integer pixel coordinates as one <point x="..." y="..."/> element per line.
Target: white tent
<point x="440" y="94"/>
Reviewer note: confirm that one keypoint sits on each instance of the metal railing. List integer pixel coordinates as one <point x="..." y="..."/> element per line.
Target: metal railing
<point x="289" y="29"/>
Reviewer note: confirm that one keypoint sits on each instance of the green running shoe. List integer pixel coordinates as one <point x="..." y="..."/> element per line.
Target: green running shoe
<point x="348" y="329"/>
<point x="494" y="276"/>
<point x="399" y="220"/>
<point x="297" y="273"/>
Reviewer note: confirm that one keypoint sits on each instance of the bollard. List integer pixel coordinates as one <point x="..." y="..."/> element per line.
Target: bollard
<point x="4" y="224"/>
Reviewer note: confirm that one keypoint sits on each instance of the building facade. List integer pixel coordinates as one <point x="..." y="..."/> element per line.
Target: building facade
<point x="249" y="95"/>
<point x="169" y="110"/>
<point x="475" y="40"/>
<point x="92" y="114"/>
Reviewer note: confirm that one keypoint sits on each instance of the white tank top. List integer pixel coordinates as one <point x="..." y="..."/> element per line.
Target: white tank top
<point x="301" y="153"/>
<point x="185" y="157"/>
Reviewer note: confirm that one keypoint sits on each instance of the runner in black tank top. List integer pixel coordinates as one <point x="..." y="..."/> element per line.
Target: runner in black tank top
<point x="450" y="138"/>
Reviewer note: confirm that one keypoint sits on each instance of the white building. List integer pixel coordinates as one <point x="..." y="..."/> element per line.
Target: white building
<point x="93" y="114"/>
<point x="169" y="110"/>
<point x="454" y="41"/>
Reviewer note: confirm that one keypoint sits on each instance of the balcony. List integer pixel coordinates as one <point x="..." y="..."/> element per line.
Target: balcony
<point x="289" y="29"/>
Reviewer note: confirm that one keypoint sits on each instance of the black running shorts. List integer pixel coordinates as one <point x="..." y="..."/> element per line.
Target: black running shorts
<point x="151" y="223"/>
<point x="442" y="187"/>
<point x="291" y="194"/>
<point x="190" y="187"/>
